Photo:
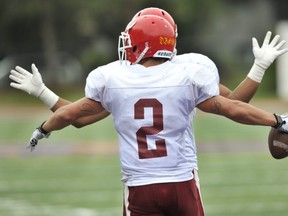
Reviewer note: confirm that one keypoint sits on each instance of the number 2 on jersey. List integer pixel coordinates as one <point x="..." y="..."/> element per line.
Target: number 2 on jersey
<point x="144" y="131"/>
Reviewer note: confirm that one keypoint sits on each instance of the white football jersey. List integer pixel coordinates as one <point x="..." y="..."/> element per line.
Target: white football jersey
<point x="152" y="109"/>
<point x="199" y="59"/>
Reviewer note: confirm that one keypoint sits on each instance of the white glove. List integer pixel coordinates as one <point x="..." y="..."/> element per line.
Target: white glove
<point x="32" y="84"/>
<point x="38" y="134"/>
<point x="265" y="55"/>
<point x="282" y="122"/>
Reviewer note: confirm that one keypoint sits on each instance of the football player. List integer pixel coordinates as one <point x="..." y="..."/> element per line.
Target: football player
<point x="151" y="100"/>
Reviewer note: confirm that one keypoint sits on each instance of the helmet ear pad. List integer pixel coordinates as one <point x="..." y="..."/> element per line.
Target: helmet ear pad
<point x="132" y="53"/>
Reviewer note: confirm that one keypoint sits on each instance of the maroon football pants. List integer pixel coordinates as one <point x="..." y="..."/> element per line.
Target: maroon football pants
<point x="165" y="199"/>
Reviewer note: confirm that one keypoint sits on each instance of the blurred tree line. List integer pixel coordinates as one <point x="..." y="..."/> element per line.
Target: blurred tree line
<point x="67" y="39"/>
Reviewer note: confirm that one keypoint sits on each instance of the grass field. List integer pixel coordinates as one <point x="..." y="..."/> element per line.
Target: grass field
<point x="65" y="185"/>
<point x="233" y="182"/>
<point x="243" y="184"/>
<point x="89" y="185"/>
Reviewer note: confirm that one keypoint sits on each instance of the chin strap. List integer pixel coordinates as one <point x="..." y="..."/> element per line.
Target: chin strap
<point x="142" y="54"/>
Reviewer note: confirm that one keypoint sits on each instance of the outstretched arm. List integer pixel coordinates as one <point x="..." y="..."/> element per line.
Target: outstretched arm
<point x="264" y="57"/>
<point x="81" y="122"/>
<point x="243" y="113"/>
<point x="68" y="114"/>
<point x="65" y="116"/>
<point x="32" y="84"/>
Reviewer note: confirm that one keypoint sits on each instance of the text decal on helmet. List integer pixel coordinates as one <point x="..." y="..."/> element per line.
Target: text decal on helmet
<point x="163" y="54"/>
<point x="167" y="41"/>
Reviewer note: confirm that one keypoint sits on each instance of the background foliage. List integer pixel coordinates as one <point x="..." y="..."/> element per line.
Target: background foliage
<point x="68" y="38"/>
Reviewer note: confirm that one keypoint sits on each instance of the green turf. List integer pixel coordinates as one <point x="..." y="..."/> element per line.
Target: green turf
<point x="210" y="127"/>
<point x="232" y="184"/>
<point x="12" y="130"/>
<point x="243" y="184"/>
<point x="60" y="186"/>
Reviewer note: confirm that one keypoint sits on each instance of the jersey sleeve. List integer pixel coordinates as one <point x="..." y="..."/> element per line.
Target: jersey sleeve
<point x="95" y="86"/>
<point x="206" y="82"/>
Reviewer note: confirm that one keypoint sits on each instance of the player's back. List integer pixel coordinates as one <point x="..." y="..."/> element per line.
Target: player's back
<point x="151" y="108"/>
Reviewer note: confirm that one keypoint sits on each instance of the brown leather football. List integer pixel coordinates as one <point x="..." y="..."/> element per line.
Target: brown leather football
<point x="278" y="143"/>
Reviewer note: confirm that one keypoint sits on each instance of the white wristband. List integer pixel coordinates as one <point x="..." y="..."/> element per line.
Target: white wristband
<point x="48" y="97"/>
<point x="256" y="73"/>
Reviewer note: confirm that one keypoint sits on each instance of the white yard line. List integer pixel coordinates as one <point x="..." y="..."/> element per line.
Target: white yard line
<point x="10" y="207"/>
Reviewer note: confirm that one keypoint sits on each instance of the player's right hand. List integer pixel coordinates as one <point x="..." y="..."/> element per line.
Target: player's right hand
<point x="38" y="134"/>
<point x="27" y="82"/>
<point x="282" y="122"/>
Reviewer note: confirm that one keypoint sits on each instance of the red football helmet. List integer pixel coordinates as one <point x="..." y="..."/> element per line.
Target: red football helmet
<point x="147" y="36"/>
<point x="158" y="12"/>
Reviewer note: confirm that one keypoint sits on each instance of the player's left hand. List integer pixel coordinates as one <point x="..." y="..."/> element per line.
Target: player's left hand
<point x="38" y="134"/>
<point x="28" y="82"/>
<point x="265" y="55"/>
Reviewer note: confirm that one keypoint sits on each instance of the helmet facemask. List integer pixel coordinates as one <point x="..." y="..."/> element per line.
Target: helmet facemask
<point x="124" y="43"/>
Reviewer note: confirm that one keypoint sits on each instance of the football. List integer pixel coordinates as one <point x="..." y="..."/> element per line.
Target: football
<point x="278" y="143"/>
